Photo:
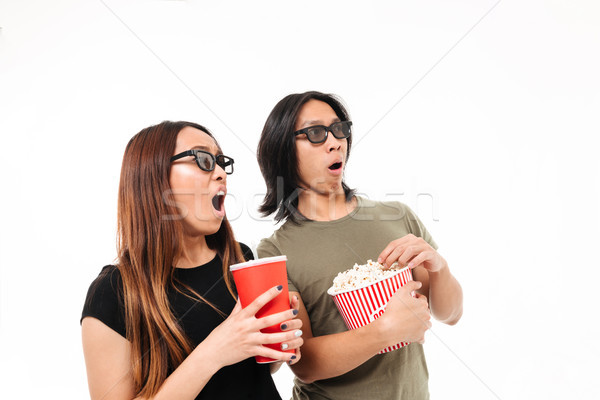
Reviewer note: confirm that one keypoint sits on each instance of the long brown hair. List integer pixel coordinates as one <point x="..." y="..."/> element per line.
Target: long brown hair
<point x="150" y="241"/>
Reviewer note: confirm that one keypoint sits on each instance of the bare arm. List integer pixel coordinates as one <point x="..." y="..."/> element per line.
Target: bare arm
<point x="429" y="267"/>
<point x="108" y="366"/>
<point x="405" y="319"/>
<point x="237" y="338"/>
<point x="444" y="293"/>
<point x="107" y="361"/>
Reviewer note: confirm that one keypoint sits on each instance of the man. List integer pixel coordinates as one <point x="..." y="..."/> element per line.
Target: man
<point x="302" y="154"/>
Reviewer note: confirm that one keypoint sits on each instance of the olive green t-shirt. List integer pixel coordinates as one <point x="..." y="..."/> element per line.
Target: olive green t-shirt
<point x="316" y="251"/>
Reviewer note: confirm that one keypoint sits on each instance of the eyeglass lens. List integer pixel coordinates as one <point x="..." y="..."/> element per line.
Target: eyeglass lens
<point x="318" y="134"/>
<point x="205" y="161"/>
<point x="226" y="163"/>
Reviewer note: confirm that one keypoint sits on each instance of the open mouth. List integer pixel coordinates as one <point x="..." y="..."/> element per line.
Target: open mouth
<point x="335" y="166"/>
<point x="218" y="200"/>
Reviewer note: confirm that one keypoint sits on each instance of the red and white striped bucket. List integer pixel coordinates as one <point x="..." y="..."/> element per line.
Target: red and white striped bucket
<point x="364" y="305"/>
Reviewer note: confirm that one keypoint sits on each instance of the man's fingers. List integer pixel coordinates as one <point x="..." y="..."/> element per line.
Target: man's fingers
<point x="421" y="297"/>
<point x="387" y="250"/>
<point x="385" y="254"/>
<point x="294" y="302"/>
<point x="409" y="253"/>
<point x="419" y="259"/>
<point x="412" y="285"/>
<point x="393" y="256"/>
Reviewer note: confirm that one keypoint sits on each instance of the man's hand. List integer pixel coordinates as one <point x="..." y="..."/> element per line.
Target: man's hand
<point x="406" y="318"/>
<point x="411" y="251"/>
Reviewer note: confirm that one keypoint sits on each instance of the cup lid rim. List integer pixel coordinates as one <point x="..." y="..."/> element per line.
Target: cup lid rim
<point x="259" y="261"/>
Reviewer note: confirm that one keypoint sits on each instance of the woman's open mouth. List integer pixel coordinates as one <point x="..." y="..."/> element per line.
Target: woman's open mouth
<point x="218" y="202"/>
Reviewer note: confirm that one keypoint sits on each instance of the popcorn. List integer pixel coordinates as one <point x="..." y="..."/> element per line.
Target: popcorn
<point x="362" y="275"/>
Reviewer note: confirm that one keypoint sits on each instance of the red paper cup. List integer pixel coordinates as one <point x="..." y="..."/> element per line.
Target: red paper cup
<point x="364" y="305"/>
<point x="255" y="277"/>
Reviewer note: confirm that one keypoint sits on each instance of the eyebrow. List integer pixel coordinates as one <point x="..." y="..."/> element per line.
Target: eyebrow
<point x="318" y="122"/>
<point x="206" y="148"/>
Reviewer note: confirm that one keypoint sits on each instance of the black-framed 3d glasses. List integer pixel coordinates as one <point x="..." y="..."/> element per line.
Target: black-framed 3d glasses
<point x="318" y="133"/>
<point x="206" y="161"/>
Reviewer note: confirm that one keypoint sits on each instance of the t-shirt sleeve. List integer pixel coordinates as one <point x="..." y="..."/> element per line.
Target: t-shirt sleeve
<point x="266" y="248"/>
<point x="104" y="300"/>
<point x="247" y="252"/>
<point x="417" y="227"/>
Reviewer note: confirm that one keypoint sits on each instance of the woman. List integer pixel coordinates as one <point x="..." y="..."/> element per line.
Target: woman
<point x="163" y="321"/>
<point x="302" y="153"/>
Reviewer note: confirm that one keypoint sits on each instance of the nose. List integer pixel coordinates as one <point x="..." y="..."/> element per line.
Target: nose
<point x="219" y="173"/>
<point x="332" y="142"/>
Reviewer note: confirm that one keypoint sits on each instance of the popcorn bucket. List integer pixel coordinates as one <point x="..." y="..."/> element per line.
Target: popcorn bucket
<point x="364" y="305"/>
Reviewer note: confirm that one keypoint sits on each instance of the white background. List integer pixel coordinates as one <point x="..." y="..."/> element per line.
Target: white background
<point x="478" y="114"/>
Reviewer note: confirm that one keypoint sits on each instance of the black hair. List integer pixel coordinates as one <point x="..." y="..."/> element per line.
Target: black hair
<point x="277" y="154"/>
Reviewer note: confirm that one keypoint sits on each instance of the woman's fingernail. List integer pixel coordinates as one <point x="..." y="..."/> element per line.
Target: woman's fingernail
<point x="284" y="346"/>
<point x="283" y="326"/>
<point x="280" y="287"/>
<point x="295" y="297"/>
<point x="298" y="333"/>
<point x="292" y="357"/>
<point x="295" y="312"/>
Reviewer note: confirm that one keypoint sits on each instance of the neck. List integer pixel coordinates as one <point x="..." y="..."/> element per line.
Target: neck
<point x="195" y="252"/>
<point x="324" y="206"/>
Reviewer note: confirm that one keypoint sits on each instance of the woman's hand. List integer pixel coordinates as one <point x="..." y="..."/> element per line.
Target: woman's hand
<point x="239" y="336"/>
<point x="292" y="325"/>
<point x="295" y="323"/>
<point x="411" y="251"/>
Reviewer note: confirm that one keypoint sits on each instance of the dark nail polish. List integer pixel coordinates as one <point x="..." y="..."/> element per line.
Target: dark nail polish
<point x="293" y="357"/>
<point x="295" y="312"/>
<point x="280" y="287"/>
<point x="283" y="326"/>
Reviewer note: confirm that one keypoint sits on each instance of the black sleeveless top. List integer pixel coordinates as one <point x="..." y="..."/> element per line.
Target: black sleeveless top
<point x="244" y="380"/>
